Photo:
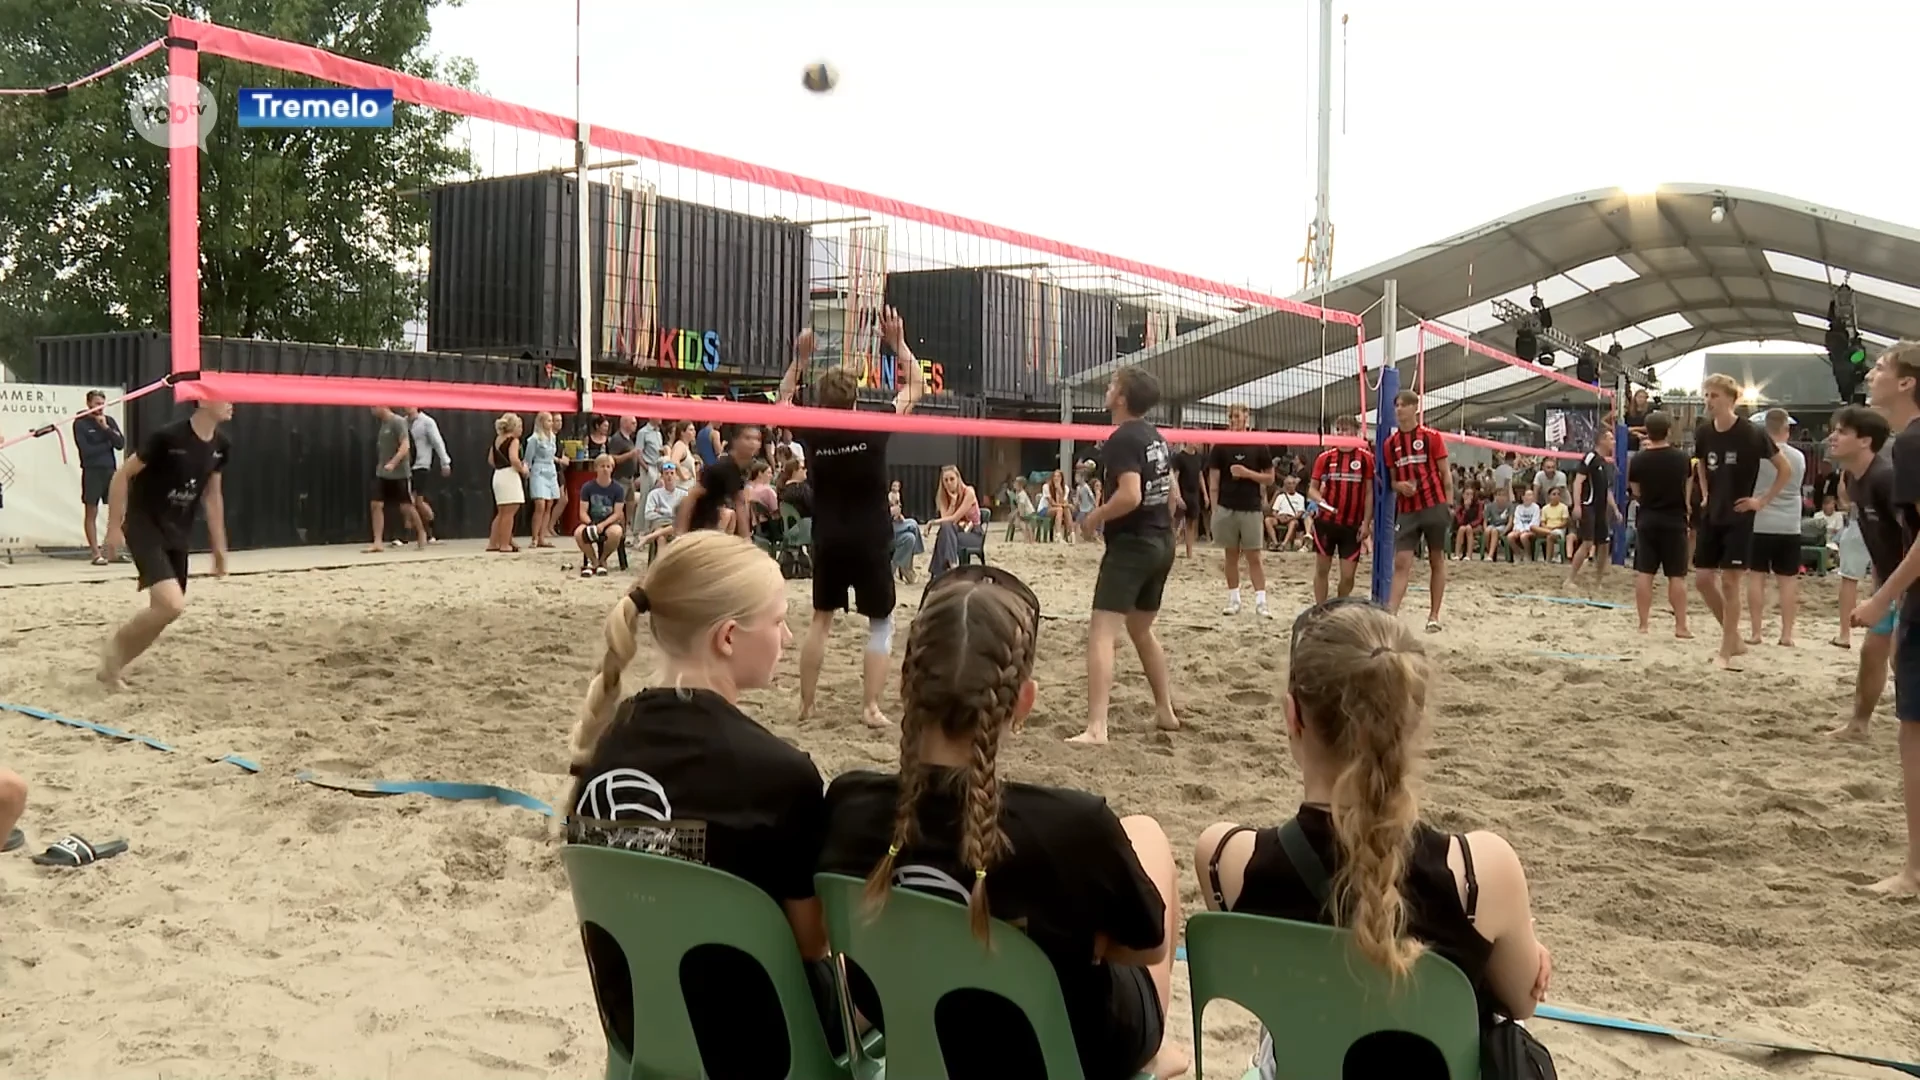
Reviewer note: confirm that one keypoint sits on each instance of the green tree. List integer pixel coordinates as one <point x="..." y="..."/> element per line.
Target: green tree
<point x="305" y="235"/>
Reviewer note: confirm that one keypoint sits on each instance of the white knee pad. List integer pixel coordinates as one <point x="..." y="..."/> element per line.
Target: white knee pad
<point x="880" y="636"/>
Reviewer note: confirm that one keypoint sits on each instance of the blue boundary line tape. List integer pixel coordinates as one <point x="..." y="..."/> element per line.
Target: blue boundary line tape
<point x="1575" y="655"/>
<point x="1572" y="601"/>
<point x="436" y="788"/>
<point x="1641" y="1027"/>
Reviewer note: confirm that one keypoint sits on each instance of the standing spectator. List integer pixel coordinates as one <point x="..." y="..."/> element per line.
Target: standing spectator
<point x="1776" y="534"/>
<point x="395" y="468"/>
<point x="98" y="439"/>
<point x="543" y="478"/>
<point x="1236" y="478"/>
<point x="432" y="467"/>
<point x="509" y="478"/>
<point x="624" y="445"/>
<point x="1187" y="468"/>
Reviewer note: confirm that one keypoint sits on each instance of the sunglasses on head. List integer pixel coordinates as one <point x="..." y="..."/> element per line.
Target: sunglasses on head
<point x="992" y="575"/>
<point x="1316" y="612"/>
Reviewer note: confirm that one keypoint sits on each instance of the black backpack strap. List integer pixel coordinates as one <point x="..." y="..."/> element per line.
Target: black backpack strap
<point x="1213" y="867"/>
<point x="1306" y="861"/>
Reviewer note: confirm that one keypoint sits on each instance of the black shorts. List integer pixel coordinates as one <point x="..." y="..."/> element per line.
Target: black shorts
<point x="392" y="492"/>
<point x="427" y="482"/>
<point x="154" y="560"/>
<point x="1775" y="553"/>
<point x="864" y="568"/>
<point x="1906" y="670"/>
<point x="1725" y="545"/>
<point x="1596" y="525"/>
<point x="1661" y="548"/>
<point x="94" y="484"/>
<point x="1133" y="572"/>
<point x="1334" y="540"/>
<point x="1433" y="523"/>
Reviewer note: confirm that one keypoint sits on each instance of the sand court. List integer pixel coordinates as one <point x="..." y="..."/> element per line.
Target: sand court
<point x="1696" y="850"/>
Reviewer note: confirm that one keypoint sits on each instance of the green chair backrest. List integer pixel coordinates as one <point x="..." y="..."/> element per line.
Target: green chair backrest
<point x="1317" y="995"/>
<point x="659" y="908"/>
<point x="919" y="949"/>
<point x="789" y="517"/>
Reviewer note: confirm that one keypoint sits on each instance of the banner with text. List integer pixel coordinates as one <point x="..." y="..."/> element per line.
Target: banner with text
<point x="40" y="478"/>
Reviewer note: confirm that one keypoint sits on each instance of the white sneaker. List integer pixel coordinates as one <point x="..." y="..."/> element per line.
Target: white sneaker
<point x="1260" y="609"/>
<point x="1232" y="608"/>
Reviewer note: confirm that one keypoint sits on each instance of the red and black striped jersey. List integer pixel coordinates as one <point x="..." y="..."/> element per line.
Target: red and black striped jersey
<point x="1420" y="456"/>
<point x="1344" y="478"/>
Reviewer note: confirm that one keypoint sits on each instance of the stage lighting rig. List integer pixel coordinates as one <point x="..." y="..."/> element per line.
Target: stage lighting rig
<point x="1846" y="352"/>
<point x="1535" y="339"/>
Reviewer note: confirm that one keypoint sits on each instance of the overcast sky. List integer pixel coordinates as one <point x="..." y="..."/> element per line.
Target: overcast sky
<point x="1182" y="135"/>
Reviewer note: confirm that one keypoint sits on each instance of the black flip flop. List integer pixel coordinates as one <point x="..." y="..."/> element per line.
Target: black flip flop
<point x="73" y="851"/>
<point x="15" y="841"/>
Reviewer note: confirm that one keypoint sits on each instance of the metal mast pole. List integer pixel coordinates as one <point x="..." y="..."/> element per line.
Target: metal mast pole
<point x="583" y="234"/>
<point x="1321" y="269"/>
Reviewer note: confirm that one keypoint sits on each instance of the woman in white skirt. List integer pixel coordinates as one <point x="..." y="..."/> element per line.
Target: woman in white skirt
<point x="509" y="472"/>
<point x="543" y="477"/>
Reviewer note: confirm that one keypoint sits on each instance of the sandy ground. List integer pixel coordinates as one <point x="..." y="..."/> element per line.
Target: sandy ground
<point x="1696" y="850"/>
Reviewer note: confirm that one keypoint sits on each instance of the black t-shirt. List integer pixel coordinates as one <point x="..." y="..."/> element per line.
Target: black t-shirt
<point x="1599" y="474"/>
<point x="1070" y="873"/>
<point x="1235" y="493"/>
<point x="1879" y="516"/>
<point x="1661" y="474"/>
<point x="1187" y="467"/>
<point x="1634" y="420"/>
<point x="1906" y="495"/>
<point x="850" y="468"/>
<point x="1136" y="447"/>
<point x="731" y="795"/>
<point x="1732" y="459"/>
<point x="720" y="484"/>
<point x="176" y="464"/>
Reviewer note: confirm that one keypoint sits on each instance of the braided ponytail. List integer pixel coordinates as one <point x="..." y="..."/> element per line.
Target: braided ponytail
<point x="603" y="693"/>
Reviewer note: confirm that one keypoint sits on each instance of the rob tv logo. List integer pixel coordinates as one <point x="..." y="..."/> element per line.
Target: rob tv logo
<point x="330" y="107"/>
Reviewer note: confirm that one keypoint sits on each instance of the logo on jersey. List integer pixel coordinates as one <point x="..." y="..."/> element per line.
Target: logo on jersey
<point x="622" y="794"/>
<point x="931" y="879"/>
<point x="1713" y="459"/>
<point x="1419" y="444"/>
<point x="1354" y="464"/>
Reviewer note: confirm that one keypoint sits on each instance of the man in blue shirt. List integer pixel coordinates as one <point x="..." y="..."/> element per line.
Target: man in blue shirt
<point x="98" y="439"/>
<point x="603" y="517"/>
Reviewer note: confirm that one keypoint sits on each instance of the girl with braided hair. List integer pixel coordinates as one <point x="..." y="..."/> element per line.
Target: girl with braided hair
<point x="1356" y="854"/>
<point x="678" y="769"/>
<point x="1096" y="892"/>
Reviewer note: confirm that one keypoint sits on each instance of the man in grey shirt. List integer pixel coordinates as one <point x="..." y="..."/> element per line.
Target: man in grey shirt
<point x="1776" y="532"/>
<point x="390" y="473"/>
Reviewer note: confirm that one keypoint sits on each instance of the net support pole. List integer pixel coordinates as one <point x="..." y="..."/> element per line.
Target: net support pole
<point x="1383" y="502"/>
<point x="183" y="212"/>
<point x="1620" y="493"/>
<point x="583" y="237"/>
<point x="1066" y="444"/>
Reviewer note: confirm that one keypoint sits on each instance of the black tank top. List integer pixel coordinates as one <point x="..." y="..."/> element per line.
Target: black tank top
<point x="502" y="455"/>
<point x="1435" y="916"/>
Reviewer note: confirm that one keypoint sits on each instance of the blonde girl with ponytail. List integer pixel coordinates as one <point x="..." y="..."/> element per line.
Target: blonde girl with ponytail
<point x="669" y="764"/>
<point x="1357" y="686"/>
<point x="1097" y="893"/>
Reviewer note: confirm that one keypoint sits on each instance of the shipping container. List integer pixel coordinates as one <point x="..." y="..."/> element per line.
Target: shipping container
<point x="302" y="474"/>
<point x="675" y="284"/>
<point x="1002" y="337"/>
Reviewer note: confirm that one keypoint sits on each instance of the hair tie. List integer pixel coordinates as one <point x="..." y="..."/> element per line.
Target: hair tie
<point x="638" y="595"/>
<point x="893" y="851"/>
<point x="1378" y="649"/>
<point x="979" y="873"/>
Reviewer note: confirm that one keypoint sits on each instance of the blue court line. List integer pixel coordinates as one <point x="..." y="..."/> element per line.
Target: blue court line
<point x="1641" y="1027"/>
<point x="1575" y="655"/>
<point x="1575" y="601"/>
<point x="435" y="788"/>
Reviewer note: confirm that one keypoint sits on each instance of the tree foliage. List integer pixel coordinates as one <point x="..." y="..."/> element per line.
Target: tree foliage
<point x="305" y="235"/>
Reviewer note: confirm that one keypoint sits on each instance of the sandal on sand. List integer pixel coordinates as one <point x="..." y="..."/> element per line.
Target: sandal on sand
<point x="1838" y="644"/>
<point x="73" y="851"/>
<point x="15" y="841"/>
<point x="1433" y="626"/>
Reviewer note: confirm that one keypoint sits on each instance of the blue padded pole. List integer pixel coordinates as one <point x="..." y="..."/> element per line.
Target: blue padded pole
<point x="1620" y="398"/>
<point x="1383" y="500"/>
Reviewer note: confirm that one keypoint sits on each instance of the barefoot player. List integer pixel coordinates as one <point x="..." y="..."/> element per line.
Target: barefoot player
<point x="1659" y="475"/>
<point x="1341" y="487"/>
<point x="1594" y="506"/>
<point x="1730" y="450"/>
<point x="852" y="522"/>
<point x="1855" y="443"/>
<point x="1417" y="464"/>
<point x="150" y="508"/>
<point x="1893" y="387"/>
<point x="1138" y="519"/>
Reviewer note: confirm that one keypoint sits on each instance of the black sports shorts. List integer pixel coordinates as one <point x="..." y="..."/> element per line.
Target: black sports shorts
<point x="1724" y="545"/>
<point x="1133" y="572"/>
<point x="154" y="560"/>
<point x="392" y="492"/>
<point x="862" y="567"/>
<point x="1775" y="553"/>
<point x="1661" y="548"/>
<point x="1334" y="540"/>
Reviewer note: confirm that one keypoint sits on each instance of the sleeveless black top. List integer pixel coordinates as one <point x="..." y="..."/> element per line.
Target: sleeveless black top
<point x="1435" y="917"/>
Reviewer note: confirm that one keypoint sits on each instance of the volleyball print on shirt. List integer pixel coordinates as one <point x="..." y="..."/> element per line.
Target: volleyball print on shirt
<point x="625" y="796"/>
<point x="931" y="879"/>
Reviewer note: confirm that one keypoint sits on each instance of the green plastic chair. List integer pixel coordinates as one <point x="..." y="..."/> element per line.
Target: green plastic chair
<point x="659" y="908"/>
<point x="1318" y="996"/>
<point x="920" y="949"/>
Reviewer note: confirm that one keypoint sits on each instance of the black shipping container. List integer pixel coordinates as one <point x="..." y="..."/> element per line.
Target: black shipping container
<point x="728" y="289"/>
<point x="999" y="336"/>
<point x="302" y="474"/>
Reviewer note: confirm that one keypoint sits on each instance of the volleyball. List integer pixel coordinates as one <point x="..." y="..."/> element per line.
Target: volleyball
<point x="819" y="78"/>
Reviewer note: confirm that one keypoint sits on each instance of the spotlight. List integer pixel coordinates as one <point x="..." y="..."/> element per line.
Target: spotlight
<point x="1719" y="212"/>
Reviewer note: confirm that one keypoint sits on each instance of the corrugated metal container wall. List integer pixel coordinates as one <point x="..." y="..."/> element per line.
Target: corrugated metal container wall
<point x="503" y="276"/>
<point x="301" y="474"/>
<point x="941" y="311"/>
<point x="744" y="277"/>
<point x="1087" y="332"/>
<point x="1011" y="339"/>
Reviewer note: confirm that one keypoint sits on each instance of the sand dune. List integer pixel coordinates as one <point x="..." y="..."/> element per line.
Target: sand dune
<point x="1696" y="850"/>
